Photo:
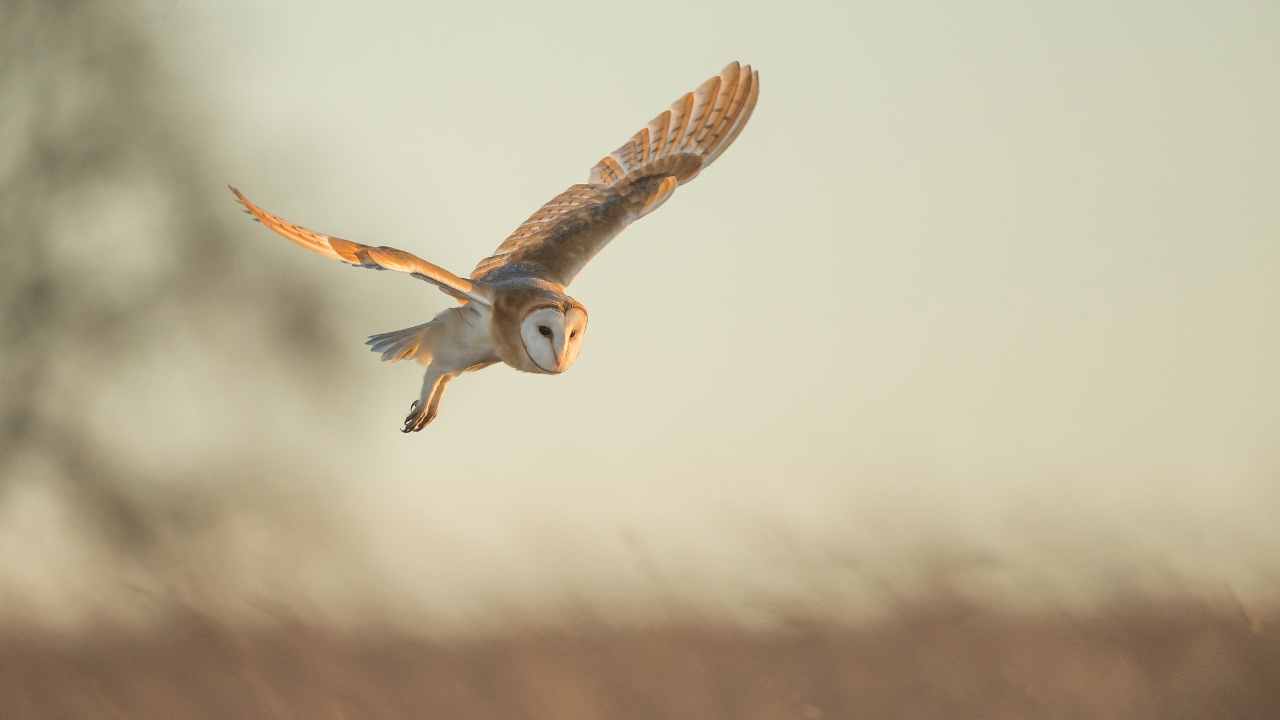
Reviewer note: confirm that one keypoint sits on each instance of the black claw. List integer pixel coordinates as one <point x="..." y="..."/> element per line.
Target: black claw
<point x="412" y="421"/>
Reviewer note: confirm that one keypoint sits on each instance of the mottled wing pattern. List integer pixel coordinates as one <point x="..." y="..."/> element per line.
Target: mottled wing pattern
<point x="691" y="134"/>
<point x="574" y="209"/>
<point x="631" y="182"/>
<point x="365" y="256"/>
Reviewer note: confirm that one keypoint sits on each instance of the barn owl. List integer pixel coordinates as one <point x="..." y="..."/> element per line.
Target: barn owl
<point x="514" y="308"/>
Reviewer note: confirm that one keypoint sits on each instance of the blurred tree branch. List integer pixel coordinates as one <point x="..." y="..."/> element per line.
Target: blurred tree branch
<point x="88" y="130"/>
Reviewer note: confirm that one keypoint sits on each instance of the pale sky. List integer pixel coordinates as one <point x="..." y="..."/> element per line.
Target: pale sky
<point x="1002" y="274"/>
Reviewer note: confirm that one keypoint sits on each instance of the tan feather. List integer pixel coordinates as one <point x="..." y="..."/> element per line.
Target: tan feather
<point x="632" y="181"/>
<point x="734" y="101"/>
<point x="700" y="124"/>
<point x="724" y="95"/>
<point x="659" y="196"/>
<point x="366" y="256"/>
<point x="704" y="99"/>
<point x="741" y="116"/>
<point x="657" y="135"/>
<point x="680" y="113"/>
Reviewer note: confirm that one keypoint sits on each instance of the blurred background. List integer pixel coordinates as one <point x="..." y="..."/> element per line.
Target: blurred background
<point x="975" y="320"/>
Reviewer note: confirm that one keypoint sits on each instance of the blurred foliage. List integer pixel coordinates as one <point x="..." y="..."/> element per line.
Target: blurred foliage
<point x="117" y="234"/>
<point x="941" y="659"/>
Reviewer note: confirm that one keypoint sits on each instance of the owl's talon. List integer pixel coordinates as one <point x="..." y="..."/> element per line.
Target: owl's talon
<point x="417" y="418"/>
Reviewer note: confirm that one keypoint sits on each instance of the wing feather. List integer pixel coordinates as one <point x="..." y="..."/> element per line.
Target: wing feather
<point x="743" y="113"/>
<point x="631" y="182"/>
<point x="365" y="256"/>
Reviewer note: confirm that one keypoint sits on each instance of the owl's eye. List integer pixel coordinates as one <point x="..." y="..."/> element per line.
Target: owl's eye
<point x="544" y="331"/>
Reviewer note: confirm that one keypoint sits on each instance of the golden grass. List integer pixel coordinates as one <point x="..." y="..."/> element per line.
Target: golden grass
<point x="1168" y="659"/>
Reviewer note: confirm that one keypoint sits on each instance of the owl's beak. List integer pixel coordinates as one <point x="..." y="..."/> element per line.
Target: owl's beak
<point x="560" y="346"/>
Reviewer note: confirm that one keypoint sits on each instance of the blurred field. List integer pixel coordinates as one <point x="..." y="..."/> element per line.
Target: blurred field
<point x="1036" y="251"/>
<point x="1178" y="659"/>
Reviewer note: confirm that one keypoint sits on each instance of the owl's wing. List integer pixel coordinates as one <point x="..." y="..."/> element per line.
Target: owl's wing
<point x="629" y="183"/>
<point x="366" y="256"/>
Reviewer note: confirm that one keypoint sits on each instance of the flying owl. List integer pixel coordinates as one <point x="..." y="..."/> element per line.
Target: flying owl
<point x="514" y="308"/>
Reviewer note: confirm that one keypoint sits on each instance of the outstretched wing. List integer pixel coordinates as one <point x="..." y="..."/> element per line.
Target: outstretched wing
<point x="366" y="256"/>
<point x="629" y="183"/>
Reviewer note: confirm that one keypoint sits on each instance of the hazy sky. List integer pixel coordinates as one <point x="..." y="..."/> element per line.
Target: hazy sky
<point x="1003" y="271"/>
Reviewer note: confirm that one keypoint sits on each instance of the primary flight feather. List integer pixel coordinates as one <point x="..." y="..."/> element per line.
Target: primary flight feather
<point x="514" y="308"/>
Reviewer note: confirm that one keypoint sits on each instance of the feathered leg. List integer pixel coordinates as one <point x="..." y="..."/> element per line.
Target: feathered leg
<point x="427" y="406"/>
<point x="456" y="341"/>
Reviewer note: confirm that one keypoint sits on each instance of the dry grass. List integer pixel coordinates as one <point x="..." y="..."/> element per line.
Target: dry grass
<point x="1152" y="660"/>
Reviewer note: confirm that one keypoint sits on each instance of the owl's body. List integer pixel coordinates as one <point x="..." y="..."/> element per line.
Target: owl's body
<point x="514" y="308"/>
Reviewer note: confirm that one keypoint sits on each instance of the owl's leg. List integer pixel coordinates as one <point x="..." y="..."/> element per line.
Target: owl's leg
<point x="424" y="409"/>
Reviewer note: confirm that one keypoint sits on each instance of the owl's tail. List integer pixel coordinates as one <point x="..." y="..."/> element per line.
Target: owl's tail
<point x="404" y="344"/>
<point x="690" y="135"/>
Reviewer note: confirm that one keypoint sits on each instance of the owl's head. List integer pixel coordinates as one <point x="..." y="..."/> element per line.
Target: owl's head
<point x="552" y="336"/>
